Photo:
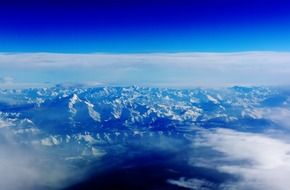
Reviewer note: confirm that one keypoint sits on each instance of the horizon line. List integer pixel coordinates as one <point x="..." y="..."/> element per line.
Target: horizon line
<point x="141" y="53"/>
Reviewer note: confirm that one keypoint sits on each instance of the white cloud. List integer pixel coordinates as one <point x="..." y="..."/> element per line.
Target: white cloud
<point x="241" y="59"/>
<point x="6" y="80"/>
<point x="27" y="167"/>
<point x="262" y="162"/>
<point x="280" y="116"/>
<point x="4" y="123"/>
<point x="193" y="184"/>
<point x="179" y="69"/>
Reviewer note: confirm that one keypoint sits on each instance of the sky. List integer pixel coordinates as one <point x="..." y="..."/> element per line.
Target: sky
<point x="48" y="32"/>
<point x="131" y="26"/>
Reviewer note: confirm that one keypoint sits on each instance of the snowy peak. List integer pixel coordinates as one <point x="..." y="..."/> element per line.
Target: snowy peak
<point x="104" y="108"/>
<point x="72" y="101"/>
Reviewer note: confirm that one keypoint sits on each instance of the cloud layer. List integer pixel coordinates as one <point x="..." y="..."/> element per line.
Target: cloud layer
<point x="25" y="166"/>
<point x="260" y="161"/>
<point x="158" y="69"/>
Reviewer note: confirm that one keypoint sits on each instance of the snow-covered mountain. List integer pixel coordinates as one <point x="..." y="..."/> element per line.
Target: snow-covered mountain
<point x="66" y="112"/>
<point x="58" y="114"/>
<point x="75" y="127"/>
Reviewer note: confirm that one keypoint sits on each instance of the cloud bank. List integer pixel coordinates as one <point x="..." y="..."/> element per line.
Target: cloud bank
<point x="27" y="167"/>
<point x="152" y="69"/>
<point x="261" y="162"/>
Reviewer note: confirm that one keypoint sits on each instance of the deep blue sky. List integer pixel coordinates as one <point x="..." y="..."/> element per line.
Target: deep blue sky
<point x="144" y="25"/>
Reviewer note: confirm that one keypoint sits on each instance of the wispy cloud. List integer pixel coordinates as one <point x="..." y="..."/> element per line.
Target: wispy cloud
<point x="193" y="184"/>
<point x="260" y="161"/>
<point x="25" y="166"/>
<point x="158" y="69"/>
<point x="6" y="80"/>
